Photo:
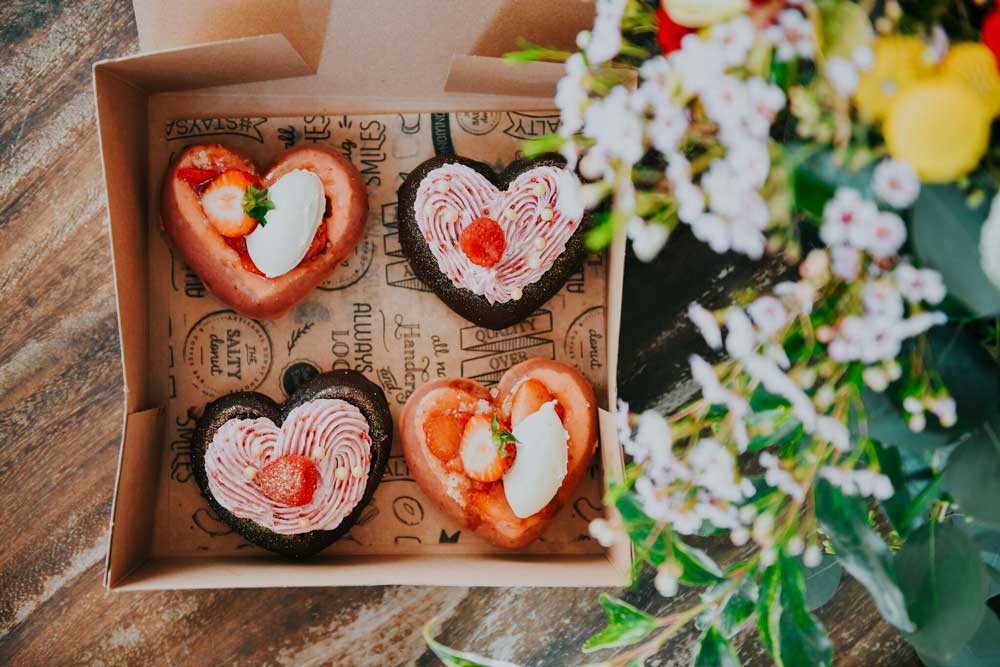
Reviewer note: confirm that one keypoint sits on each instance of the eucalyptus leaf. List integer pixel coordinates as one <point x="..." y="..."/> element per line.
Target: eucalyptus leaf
<point x="791" y="634"/>
<point x="891" y="464"/>
<point x="944" y="579"/>
<point x="714" y="650"/>
<point x="983" y="650"/>
<point x="861" y="551"/>
<point x="626" y="625"/>
<point x="698" y="569"/>
<point x="972" y="473"/>
<point x="454" y="658"/>
<point x="822" y="582"/>
<point x="945" y="234"/>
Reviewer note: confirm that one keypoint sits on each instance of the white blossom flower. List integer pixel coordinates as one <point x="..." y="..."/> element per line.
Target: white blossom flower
<point x="651" y="440"/>
<point x="845" y="262"/>
<point x="740" y="338"/>
<point x="659" y="73"/>
<point x="665" y="583"/>
<point x="896" y="183"/>
<point x="712" y="230"/>
<point x="842" y="75"/>
<point x="777" y="382"/>
<point x="606" y="37"/>
<point x="882" y="236"/>
<point x="863" y="57"/>
<point x="667" y="128"/>
<point x="918" y="324"/>
<point x="690" y="201"/>
<point x="648" y="238"/>
<point x="714" y="468"/>
<point x="602" y="531"/>
<point x="833" y="431"/>
<point x="703" y="373"/>
<point x="750" y="161"/>
<point x="768" y="314"/>
<point x="812" y="556"/>
<point x="615" y="126"/>
<point x="766" y="100"/>
<point x="777" y="477"/>
<point x="791" y="35"/>
<point x="801" y="295"/>
<point x="919" y="284"/>
<point x="882" y="299"/>
<point x="917" y="422"/>
<point x="726" y="101"/>
<point x="734" y="38"/>
<point x="843" y="213"/>
<point x="989" y="244"/>
<point x="678" y="168"/>
<point x="571" y="96"/>
<point x="698" y="63"/>
<point x="876" y="378"/>
<point x="707" y="325"/>
<point x="944" y="409"/>
<point x="860" y="482"/>
<point x="739" y="536"/>
<point x="796" y="545"/>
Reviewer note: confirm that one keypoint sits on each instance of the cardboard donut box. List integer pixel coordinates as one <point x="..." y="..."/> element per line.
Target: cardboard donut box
<point x="391" y="84"/>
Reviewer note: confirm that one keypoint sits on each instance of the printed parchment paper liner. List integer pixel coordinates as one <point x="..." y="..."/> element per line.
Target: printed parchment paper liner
<point x="372" y="315"/>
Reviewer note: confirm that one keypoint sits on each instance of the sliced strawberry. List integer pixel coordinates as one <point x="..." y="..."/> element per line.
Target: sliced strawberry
<point x="318" y="244"/>
<point x="290" y="480"/>
<point x="222" y="201"/>
<point x="196" y="177"/>
<point x="444" y="434"/>
<point x="483" y="242"/>
<point x="528" y="398"/>
<point x="480" y="457"/>
<point x="239" y="244"/>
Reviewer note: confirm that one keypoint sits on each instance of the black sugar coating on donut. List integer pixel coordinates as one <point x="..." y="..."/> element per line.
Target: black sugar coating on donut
<point x="466" y="303"/>
<point x="349" y="386"/>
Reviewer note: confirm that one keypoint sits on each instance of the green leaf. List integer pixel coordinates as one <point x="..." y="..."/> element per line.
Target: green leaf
<point x="788" y="630"/>
<point x="983" y="650"/>
<point x="945" y="234"/>
<point x="861" y="551"/>
<point x="714" y="650"/>
<point x="256" y="204"/>
<point x="698" y="569"/>
<point x="729" y="611"/>
<point x="501" y="437"/>
<point x="639" y="528"/>
<point x="972" y="473"/>
<point x="891" y="465"/>
<point x="453" y="658"/>
<point x="626" y="625"/>
<point x="940" y="569"/>
<point x="822" y="582"/>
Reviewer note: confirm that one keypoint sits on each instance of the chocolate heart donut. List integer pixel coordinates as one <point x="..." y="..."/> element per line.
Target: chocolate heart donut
<point x="293" y="478"/>
<point x="493" y="247"/>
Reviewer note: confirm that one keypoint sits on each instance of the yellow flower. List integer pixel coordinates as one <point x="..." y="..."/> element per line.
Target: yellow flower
<point x="973" y="64"/>
<point x="699" y="13"/>
<point x="899" y="60"/>
<point x="938" y="126"/>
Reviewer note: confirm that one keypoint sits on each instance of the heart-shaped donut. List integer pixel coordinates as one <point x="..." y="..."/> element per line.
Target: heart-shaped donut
<point x="293" y="478"/>
<point x="219" y="214"/>
<point x="502" y="462"/>
<point x="493" y="247"/>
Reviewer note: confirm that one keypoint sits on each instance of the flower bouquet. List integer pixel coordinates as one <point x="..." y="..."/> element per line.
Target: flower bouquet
<point x="849" y="418"/>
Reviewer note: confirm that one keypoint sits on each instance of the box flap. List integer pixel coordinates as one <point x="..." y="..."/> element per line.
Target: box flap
<point x="495" y="76"/>
<point x="368" y="48"/>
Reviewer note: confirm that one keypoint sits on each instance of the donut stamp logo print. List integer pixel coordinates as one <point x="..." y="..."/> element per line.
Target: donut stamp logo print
<point x="501" y="349"/>
<point x="585" y="344"/>
<point x="478" y="122"/>
<point x="225" y="352"/>
<point x="352" y="269"/>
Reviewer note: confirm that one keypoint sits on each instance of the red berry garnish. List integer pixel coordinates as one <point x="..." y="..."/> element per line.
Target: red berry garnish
<point x="196" y="177"/>
<point x="290" y="480"/>
<point x="483" y="242"/>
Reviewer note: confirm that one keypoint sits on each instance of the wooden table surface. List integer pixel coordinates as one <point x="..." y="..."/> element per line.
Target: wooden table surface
<point x="60" y="419"/>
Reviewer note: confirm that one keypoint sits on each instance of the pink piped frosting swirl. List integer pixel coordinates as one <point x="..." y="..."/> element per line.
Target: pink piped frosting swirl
<point x="332" y="432"/>
<point x="536" y="214"/>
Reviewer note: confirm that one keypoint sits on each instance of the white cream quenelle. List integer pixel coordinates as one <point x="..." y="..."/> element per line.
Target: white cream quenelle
<point x="278" y="246"/>
<point x="541" y="462"/>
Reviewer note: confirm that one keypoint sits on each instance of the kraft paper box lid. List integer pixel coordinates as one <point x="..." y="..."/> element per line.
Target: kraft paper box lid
<point x="371" y="45"/>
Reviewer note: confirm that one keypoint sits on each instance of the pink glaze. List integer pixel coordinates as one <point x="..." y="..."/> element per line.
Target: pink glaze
<point x="536" y="217"/>
<point x="333" y="433"/>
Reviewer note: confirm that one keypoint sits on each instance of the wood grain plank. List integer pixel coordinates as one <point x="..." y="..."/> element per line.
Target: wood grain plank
<point x="60" y="416"/>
